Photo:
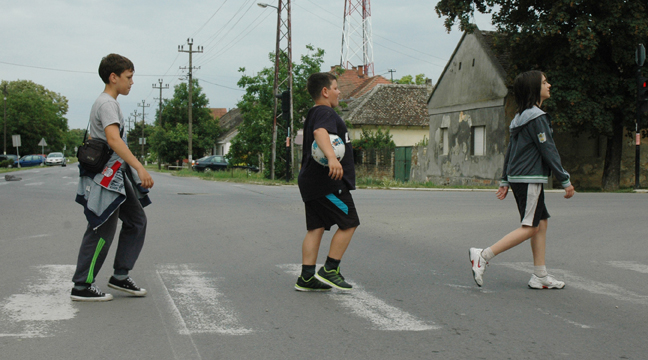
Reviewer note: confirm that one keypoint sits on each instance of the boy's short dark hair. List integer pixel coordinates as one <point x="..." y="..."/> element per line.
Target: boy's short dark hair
<point x="318" y="81"/>
<point x="526" y="87"/>
<point x="114" y="63"/>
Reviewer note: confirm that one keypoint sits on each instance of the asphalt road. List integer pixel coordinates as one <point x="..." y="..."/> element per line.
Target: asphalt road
<point x="220" y="261"/>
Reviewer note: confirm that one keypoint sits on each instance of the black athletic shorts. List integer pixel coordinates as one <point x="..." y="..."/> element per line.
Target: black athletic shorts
<point x="530" y="202"/>
<point x="332" y="209"/>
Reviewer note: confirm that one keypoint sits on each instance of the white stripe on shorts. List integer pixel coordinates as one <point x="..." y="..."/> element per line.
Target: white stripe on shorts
<point x="533" y="194"/>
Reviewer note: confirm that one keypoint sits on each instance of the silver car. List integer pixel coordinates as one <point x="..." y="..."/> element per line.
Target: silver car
<point x="55" y="158"/>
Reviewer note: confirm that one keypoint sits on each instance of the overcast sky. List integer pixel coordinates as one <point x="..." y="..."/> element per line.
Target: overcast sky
<point x="59" y="43"/>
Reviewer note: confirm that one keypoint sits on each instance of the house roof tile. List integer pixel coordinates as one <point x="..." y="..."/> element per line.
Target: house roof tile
<point x="390" y="105"/>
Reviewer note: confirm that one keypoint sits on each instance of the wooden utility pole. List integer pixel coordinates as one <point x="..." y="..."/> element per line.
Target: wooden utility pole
<point x="144" y="106"/>
<point x="161" y="87"/>
<point x="190" y="87"/>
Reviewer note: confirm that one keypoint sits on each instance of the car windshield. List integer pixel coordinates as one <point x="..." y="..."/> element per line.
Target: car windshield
<point x="55" y="155"/>
<point x="204" y="158"/>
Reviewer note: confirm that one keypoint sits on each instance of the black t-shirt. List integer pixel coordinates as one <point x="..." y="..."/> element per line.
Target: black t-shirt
<point x="314" y="181"/>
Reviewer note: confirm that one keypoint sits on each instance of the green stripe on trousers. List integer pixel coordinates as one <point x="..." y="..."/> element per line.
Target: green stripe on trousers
<point x="100" y="246"/>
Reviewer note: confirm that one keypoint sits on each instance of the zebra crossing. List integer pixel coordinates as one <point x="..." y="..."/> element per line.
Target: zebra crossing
<point x="190" y="301"/>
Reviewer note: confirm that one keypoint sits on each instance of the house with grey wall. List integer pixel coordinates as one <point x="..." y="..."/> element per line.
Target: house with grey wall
<point x="469" y="111"/>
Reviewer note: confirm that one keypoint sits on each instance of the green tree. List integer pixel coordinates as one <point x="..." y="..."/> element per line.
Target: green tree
<point x="257" y="107"/>
<point x="409" y="80"/>
<point x="378" y="140"/>
<point x="586" y="48"/>
<point x="34" y="113"/>
<point x="171" y="139"/>
<point x="73" y="139"/>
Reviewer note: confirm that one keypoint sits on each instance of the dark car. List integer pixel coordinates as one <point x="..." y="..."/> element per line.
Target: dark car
<point x="210" y="163"/>
<point x="9" y="158"/>
<point x="30" y="160"/>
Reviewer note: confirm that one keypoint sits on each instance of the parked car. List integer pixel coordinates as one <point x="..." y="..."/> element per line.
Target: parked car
<point x="9" y="158"/>
<point x="209" y="163"/>
<point x="55" y="158"/>
<point x="30" y="160"/>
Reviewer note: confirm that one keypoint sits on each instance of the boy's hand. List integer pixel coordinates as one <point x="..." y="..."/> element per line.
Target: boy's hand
<point x="502" y="192"/>
<point x="335" y="169"/>
<point x="147" y="180"/>
<point x="569" y="191"/>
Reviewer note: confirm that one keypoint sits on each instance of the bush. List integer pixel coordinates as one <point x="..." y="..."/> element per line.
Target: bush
<point x="6" y="163"/>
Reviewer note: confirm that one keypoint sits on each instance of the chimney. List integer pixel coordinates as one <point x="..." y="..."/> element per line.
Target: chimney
<point x="360" y="70"/>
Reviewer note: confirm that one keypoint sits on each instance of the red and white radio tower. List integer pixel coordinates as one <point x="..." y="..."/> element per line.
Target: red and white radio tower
<point x="357" y="43"/>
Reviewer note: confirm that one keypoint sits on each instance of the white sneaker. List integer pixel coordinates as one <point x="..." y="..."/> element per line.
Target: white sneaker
<point x="547" y="282"/>
<point x="478" y="265"/>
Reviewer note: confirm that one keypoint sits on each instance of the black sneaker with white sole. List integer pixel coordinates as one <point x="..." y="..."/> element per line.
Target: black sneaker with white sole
<point x="91" y="293"/>
<point x="126" y="285"/>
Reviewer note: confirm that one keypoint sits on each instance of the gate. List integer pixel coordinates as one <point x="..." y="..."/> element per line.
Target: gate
<point x="402" y="163"/>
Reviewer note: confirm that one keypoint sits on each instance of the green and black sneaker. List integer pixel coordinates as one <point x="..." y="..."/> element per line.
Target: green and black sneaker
<point x="311" y="284"/>
<point x="333" y="278"/>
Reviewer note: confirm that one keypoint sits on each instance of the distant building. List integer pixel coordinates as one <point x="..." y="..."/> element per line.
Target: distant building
<point x="401" y="109"/>
<point x="229" y="122"/>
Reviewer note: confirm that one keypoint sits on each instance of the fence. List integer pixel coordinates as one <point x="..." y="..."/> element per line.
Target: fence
<point x="374" y="163"/>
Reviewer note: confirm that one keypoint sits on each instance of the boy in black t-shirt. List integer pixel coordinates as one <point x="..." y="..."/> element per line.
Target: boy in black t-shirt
<point x="326" y="190"/>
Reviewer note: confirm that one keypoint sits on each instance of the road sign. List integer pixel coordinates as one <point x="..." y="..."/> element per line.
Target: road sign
<point x="16" y="140"/>
<point x="42" y="142"/>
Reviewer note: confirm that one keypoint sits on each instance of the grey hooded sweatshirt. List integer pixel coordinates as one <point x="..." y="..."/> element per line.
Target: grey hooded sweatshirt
<point x="531" y="155"/>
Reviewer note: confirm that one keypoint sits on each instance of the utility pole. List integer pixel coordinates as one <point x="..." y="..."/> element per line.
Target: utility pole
<point x="392" y="71"/>
<point x="283" y="64"/>
<point x="135" y="115"/>
<point x="160" y="115"/>
<point x="144" y="106"/>
<point x="190" y="88"/>
<point x="4" y="92"/>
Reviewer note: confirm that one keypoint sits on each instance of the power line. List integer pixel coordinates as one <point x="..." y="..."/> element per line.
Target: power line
<point x="208" y="20"/>
<point x="226" y="87"/>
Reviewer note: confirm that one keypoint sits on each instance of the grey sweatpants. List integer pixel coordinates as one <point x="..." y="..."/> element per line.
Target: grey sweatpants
<point x="95" y="244"/>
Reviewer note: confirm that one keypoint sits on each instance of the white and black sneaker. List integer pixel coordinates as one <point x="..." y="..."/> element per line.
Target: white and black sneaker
<point x="126" y="285"/>
<point x="91" y="293"/>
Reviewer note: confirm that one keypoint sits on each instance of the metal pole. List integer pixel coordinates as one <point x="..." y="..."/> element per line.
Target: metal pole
<point x="637" y="137"/>
<point x="4" y="92"/>
<point x="276" y="92"/>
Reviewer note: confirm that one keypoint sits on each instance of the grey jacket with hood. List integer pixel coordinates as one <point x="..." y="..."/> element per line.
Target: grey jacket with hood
<point x="531" y="155"/>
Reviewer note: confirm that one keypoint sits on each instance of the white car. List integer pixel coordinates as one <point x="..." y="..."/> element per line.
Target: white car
<point x="55" y="158"/>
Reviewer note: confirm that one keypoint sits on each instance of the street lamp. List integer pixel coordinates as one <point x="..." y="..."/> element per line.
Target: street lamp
<point x="264" y="5"/>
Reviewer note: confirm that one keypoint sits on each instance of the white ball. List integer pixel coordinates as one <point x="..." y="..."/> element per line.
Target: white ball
<point x="338" y="147"/>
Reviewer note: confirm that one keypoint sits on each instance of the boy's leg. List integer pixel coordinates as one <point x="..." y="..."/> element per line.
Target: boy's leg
<point x="131" y="241"/>
<point x="92" y="253"/>
<point x="311" y="245"/>
<point x="133" y="232"/>
<point x="93" y="250"/>
<point x="340" y="242"/>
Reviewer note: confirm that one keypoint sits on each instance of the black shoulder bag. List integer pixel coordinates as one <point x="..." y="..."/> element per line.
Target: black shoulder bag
<point x="93" y="154"/>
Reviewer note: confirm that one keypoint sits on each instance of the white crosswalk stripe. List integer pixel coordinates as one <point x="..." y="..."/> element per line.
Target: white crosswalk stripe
<point x="43" y="302"/>
<point x="362" y="303"/>
<point x="630" y="265"/>
<point x="595" y="287"/>
<point x="199" y="306"/>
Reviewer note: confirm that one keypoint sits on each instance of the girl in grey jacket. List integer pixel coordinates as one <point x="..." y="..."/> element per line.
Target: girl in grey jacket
<point x="531" y="157"/>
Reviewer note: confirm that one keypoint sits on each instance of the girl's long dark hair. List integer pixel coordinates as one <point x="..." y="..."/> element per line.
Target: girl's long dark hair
<point x="526" y="87"/>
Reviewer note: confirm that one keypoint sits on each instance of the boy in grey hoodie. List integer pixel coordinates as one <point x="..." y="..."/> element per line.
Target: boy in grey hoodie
<point x="530" y="159"/>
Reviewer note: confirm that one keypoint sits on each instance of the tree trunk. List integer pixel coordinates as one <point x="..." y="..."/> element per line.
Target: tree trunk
<point x="612" y="167"/>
